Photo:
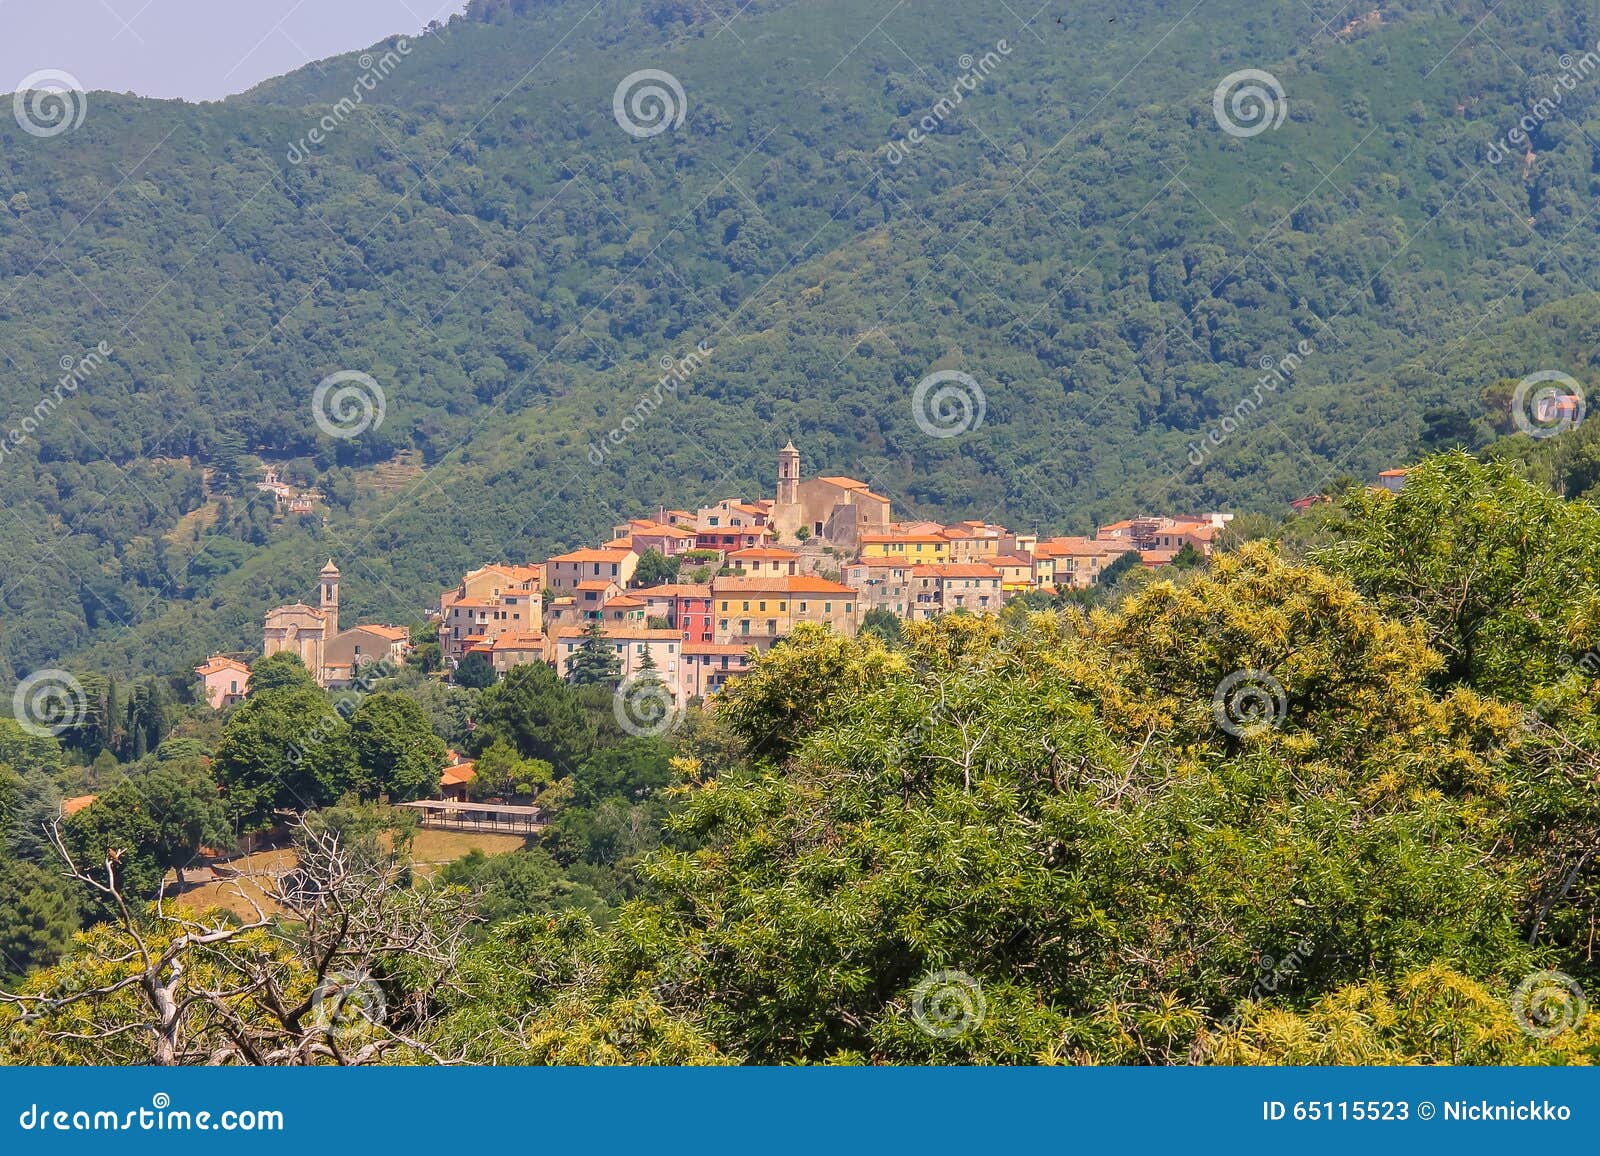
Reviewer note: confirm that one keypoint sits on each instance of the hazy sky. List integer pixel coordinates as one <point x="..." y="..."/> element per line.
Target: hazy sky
<point x="196" y="49"/>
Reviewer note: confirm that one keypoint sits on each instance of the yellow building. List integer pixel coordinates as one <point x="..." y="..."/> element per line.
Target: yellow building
<point x="913" y="549"/>
<point x="759" y="611"/>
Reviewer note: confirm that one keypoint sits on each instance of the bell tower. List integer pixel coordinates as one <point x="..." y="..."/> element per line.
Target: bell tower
<point x="788" y="475"/>
<point x="329" y="598"/>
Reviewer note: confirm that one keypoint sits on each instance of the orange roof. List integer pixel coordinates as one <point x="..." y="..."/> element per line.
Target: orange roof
<point x="1393" y="473"/>
<point x="780" y="584"/>
<point x="616" y="555"/>
<point x="595" y="584"/>
<point x="395" y="633"/>
<point x="615" y="633"/>
<point x="963" y="570"/>
<point x="619" y="544"/>
<point x="519" y="642"/>
<point x="647" y="529"/>
<point x="515" y="573"/>
<point x="454" y="776"/>
<point x="678" y="590"/>
<point x="624" y="601"/>
<point x="767" y="552"/>
<point x="876" y="538"/>
<point x="77" y="803"/>
<point x="218" y="663"/>
<point x="855" y="485"/>
<point x="1010" y="560"/>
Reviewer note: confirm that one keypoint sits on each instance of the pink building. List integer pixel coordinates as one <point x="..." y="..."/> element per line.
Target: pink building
<point x="222" y="680"/>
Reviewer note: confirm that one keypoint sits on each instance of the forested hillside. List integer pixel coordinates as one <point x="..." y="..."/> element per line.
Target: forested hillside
<point x="1325" y="799"/>
<point x="479" y="235"/>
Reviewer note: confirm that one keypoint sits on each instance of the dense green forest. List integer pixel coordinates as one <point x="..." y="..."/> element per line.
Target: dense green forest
<point x="1327" y="798"/>
<point x="479" y="235"/>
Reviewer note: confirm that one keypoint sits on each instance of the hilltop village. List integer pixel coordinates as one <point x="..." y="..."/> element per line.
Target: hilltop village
<point x="694" y="595"/>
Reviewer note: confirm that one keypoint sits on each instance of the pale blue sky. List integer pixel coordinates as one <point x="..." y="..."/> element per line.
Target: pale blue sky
<point x="195" y="49"/>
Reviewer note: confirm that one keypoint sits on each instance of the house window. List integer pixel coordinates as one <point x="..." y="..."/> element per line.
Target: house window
<point x="827" y="607"/>
<point x="763" y="606"/>
<point x="772" y="626"/>
<point x="744" y="626"/>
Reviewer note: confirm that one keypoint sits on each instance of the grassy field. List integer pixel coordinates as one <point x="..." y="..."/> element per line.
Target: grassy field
<point x="430" y="851"/>
<point x="433" y="849"/>
<point x="235" y="894"/>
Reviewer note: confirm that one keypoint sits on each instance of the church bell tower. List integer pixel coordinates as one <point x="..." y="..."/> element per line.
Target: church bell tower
<point x="329" y="598"/>
<point x="788" y="475"/>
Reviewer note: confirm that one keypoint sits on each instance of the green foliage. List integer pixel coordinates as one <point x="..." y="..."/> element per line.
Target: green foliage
<point x="1499" y="572"/>
<point x="655" y="568"/>
<point x="521" y="883"/>
<point x="596" y="661"/>
<point x="475" y="672"/>
<point x="502" y="773"/>
<point x="1053" y="816"/>
<point x="399" y="755"/>
<point x="535" y="712"/>
<point x="884" y="625"/>
<point x="280" y="671"/>
<point x="38" y="917"/>
<point x="1120" y="323"/>
<point x="283" y="749"/>
<point x="150" y="823"/>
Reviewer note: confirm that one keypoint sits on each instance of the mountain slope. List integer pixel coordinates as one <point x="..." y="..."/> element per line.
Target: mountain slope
<point x="482" y="238"/>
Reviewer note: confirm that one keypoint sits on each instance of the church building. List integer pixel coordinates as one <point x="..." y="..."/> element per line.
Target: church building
<point x="836" y="510"/>
<point x="313" y="633"/>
